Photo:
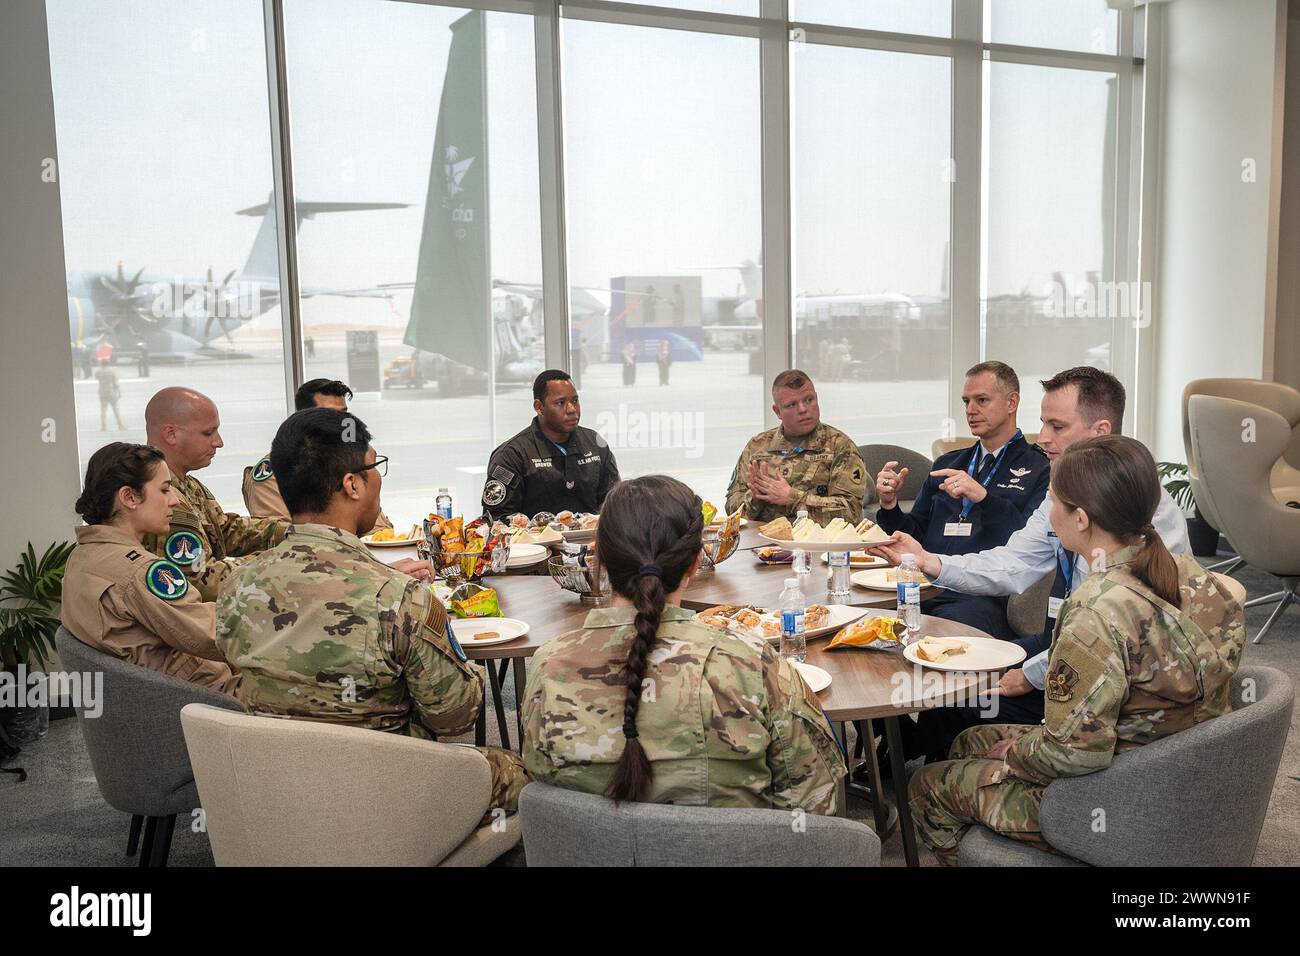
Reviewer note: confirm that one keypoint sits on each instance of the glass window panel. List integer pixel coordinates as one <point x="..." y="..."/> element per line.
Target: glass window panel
<point x="662" y="146"/>
<point x="1087" y="26"/>
<point x="743" y="8"/>
<point x="872" y="178"/>
<point x="370" y="81"/>
<point x="921" y="17"/>
<point x="164" y="159"/>
<point x="1049" y="200"/>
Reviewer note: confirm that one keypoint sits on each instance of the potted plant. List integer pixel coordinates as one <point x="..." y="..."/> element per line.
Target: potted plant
<point x="1203" y="536"/>
<point x="29" y="599"/>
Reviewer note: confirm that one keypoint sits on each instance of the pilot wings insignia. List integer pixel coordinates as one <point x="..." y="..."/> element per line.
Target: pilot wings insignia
<point x="1021" y="472"/>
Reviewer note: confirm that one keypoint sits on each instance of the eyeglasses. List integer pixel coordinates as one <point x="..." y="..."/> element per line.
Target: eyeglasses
<point x="380" y="465"/>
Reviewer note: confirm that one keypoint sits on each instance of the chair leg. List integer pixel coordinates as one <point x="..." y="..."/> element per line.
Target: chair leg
<point x="162" y="844"/>
<point x="146" y="850"/>
<point x="133" y="838"/>
<point x="1228" y="566"/>
<point x="1287" y="598"/>
<point x="1265" y="599"/>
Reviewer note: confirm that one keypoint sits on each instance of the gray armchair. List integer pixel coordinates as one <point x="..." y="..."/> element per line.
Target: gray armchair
<point x="917" y="465"/>
<point x="1195" y="798"/>
<point x="568" y="828"/>
<point x="1235" y="450"/>
<point x="136" y="746"/>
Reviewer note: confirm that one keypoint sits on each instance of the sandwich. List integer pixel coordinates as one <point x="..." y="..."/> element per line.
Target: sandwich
<point x="938" y="649"/>
<point x="780" y="530"/>
<point x="869" y="532"/>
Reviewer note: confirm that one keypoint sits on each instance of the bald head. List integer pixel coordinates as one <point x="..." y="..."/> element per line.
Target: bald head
<point x="184" y="424"/>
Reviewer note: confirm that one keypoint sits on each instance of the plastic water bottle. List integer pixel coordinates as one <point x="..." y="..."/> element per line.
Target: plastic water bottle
<point x="442" y="504"/>
<point x="909" y="594"/>
<point x="838" y="586"/>
<point x="793" y="644"/>
<point x="802" y="563"/>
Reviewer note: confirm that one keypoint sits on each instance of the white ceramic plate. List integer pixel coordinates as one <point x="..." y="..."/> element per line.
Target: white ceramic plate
<point x="877" y="579"/>
<point x="526" y="555"/>
<point x="507" y="629"/>
<point x="983" y="654"/>
<point x="815" y="546"/>
<point x="860" y="559"/>
<point x="816" y="678"/>
<point x="397" y="543"/>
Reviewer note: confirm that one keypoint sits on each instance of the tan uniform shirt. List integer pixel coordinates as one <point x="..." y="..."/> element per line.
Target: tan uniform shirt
<point x="262" y="494"/>
<point x="126" y="601"/>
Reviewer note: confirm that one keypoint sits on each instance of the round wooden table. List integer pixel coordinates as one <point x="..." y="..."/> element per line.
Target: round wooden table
<point x="866" y="685"/>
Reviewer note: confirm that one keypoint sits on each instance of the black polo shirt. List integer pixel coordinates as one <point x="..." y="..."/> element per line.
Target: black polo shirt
<point x="530" y="473"/>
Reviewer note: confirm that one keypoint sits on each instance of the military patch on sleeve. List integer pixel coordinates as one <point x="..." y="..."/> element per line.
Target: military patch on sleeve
<point x="857" y="475"/>
<point x="503" y="474"/>
<point x="183" y="547"/>
<point x="262" y="470"/>
<point x="165" y="580"/>
<point x="494" y="493"/>
<point x="821" y="491"/>
<point x="1061" y="682"/>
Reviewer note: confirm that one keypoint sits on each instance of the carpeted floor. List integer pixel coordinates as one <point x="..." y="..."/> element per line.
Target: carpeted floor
<point x="57" y="816"/>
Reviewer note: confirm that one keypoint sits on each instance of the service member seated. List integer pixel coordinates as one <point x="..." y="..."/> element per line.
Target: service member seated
<point x="1145" y="647"/>
<point x="730" y="723"/>
<point x="975" y="498"/>
<point x="552" y="465"/>
<point x="802" y="464"/>
<point x="125" y="601"/>
<point x="1079" y="403"/>
<point x="324" y="631"/>
<point x="203" y="539"/>
<point x="261" y="489"/>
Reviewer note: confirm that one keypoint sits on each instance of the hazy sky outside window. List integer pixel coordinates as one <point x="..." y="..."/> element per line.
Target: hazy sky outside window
<point x="1088" y="26"/>
<point x="923" y="17"/>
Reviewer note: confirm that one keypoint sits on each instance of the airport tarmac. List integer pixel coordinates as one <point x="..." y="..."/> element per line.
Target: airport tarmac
<point x="693" y="428"/>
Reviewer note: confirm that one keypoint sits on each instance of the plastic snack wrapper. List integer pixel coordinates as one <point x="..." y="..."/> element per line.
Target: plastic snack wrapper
<point x="475" y="600"/>
<point x="872" y="633"/>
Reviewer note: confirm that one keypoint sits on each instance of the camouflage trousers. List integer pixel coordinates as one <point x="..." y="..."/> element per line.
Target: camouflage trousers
<point x="508" y="778"/>
<point x="946" y="798"/>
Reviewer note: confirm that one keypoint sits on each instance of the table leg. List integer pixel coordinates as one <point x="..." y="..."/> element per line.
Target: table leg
<point x="519" y="665"/>
<point x="498" y="705"/>
<point x="873" y="774"/>
<point x="895" y="738"/>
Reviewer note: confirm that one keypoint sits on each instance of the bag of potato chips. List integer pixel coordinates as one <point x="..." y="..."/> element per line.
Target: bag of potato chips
<point x="474" y="600"/>
<point x="874" y="633"/>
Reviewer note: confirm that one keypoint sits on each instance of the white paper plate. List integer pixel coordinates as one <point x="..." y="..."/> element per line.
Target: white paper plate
<point x="398" y="543"/>
<point x="815" y="546"/>
<point x="507" y="628"/>
<point x="816" y="678"/>
<point x="983" y="654"/>
<point x="839" y="616"/>
<point x="526" y="555"/>
<point x="860" y="560"/>
<point x="877" y="579"/>
<point x="579" y="537"/>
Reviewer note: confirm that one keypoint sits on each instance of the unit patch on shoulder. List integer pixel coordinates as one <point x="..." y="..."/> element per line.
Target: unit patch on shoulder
<point x="183" y="547"/>
<point x="262" y="470"/>
<point x="494" y="493"/>
<point x="165" y="580"/>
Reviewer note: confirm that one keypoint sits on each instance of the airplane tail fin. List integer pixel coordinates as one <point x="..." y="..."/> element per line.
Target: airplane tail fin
<point x="263" y="259"/>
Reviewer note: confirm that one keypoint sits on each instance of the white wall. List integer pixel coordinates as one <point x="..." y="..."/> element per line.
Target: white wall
<point x="1214" y="229"/>
<point x="1286" y="349"/>
<point x="39" y="477"/>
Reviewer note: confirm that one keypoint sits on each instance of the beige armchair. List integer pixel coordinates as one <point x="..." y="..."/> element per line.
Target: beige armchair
<point x="1234" y="485"/>
<point x="279" y="792"/>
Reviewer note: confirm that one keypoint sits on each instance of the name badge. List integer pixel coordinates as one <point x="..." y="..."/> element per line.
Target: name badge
<point x="957" y="529"/>
<point x="1054" y="607"/>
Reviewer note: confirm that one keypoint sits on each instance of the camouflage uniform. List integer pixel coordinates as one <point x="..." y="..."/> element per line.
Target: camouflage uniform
<point x="204" y="540"/>
<point x="725" y="721"/>
<point x="1126" y="669"/>
<point x="824" y="469"/>
<point x="323" y="631"/>
<point x="262" y="494"/>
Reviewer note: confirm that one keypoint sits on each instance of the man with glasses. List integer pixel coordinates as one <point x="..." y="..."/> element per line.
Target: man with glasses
<point x="801" y="465"/>
<point x="204" y="540"/>
<point x="261" y="488"/>
<point x="321" y="630"/>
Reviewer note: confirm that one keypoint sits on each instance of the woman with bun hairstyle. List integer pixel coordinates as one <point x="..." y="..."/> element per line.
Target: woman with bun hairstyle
<point x="124" y="600"/>
<point x="1146" y="647"/>
<point x="645" y="704"/>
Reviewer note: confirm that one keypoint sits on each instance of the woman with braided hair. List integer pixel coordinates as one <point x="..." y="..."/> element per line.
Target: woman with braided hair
<point x="1145" y="647"/>
<point x="643" y="703"/>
